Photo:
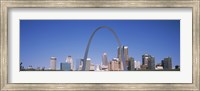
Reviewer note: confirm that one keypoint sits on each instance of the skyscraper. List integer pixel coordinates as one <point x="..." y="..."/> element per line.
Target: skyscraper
<point x="145" y="58"/>
<point x="131" y="64"/>
<point x="87" y="66"/>
<point x="167" y="63"/>
<point x="125" y="51"/>
<point x="53" y="63"/>
<point x="148" y="62"/>
<point x="70" y="60"/>
<point x="123" y="57"/>
<point x="104" y="59"/>
<point x="151" y="63"/>
<point x="65" y="66"/>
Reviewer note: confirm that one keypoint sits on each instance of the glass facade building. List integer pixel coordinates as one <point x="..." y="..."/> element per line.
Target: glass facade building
<point x="167" y="63"/>
<point x="151" y="63"/>
<point x="131" y="64"/>
<point x="65" y="66"/>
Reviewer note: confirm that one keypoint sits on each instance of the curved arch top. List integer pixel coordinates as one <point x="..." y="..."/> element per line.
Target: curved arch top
<point x="90" y="40"/>
<point x="110" y="29"/>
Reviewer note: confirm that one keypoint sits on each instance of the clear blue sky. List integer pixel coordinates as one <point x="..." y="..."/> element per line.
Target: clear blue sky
<point x="42" y="39"/>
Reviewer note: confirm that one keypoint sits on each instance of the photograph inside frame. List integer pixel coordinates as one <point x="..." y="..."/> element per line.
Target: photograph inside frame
<point x="99" y="45"/>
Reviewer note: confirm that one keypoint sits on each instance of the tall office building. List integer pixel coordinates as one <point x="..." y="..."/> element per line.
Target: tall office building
<point x="131" y="64"/>
<point x="70" y="60"/>
<point x="145" y="58"/>
<point x="123" y="57"/>
<point x="65" y="66"/>
<point x="125" y="50"/>
<point x="148" y="62"/>
<point x="125" y="53"/>
<point x="104" y="59"/>
<point x="167" y="63"/>
<point x="151" y="63"/>
<point x="87" y="66"/>
<point x="53" y="63"/>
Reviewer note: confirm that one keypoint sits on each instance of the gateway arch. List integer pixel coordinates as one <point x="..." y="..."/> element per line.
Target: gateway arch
<point x="121" y="55"/>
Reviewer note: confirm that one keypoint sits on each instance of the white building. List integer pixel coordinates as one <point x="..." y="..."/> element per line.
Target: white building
<point x="80" y="67"/>
<point x="97" y="68"/>
<point x="92" y="67"/>
<point x="53" y="63"/>
<point x="137" y="65"/>
<point x="104" y="68"/>
<point x="159" y="67"/>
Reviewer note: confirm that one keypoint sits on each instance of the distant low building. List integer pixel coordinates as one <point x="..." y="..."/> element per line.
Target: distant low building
<point x="137" y="65"/>
<point x="177" y="67"/>
<point x="92" y="67"/>
<point x="80" y="67"/>
<point x="104" y="68"/>
<point x="30" y="68"/>
<point x="114" y="65"/>
<point x="159" y="67"/>
<point x="97" y="68"/>
<point x="38" y="68"/>
<point x="144" y="67"/>
<point x="65" y="66"/>
<point x="21" y="67"/>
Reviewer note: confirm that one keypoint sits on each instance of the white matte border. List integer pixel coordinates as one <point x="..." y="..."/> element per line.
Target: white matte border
<point x="183" y="76"/>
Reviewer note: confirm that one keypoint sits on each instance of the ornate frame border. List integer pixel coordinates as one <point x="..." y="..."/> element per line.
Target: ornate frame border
<point x="6" y="4"/>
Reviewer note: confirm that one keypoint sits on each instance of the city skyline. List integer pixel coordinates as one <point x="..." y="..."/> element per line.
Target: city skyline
<point x="37" y="25"/>
<point x="148" y="64"/>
